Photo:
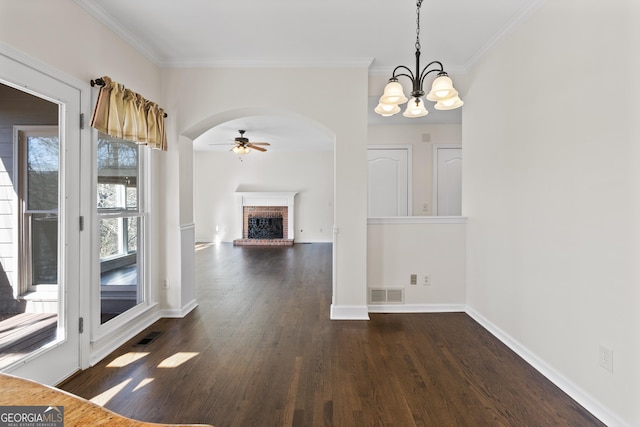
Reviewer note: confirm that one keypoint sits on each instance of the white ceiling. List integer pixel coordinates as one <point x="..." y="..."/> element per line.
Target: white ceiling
<point x="264" y="33"/>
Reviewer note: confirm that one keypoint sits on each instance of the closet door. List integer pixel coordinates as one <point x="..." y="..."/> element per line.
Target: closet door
<point x="447" y="181"/>
<point x="388" y="189"/>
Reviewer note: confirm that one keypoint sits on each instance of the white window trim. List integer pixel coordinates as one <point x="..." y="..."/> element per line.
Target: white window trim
<point x="100" y="332"/>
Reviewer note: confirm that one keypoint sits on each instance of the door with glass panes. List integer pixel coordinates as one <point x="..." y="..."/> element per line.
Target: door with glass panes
<point x="39" y="233"/>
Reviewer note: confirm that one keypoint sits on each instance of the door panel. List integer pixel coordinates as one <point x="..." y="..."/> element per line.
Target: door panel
<point x="448" y="181"/>
<point x="57" y="359"/>
<point x="388" y="189"/>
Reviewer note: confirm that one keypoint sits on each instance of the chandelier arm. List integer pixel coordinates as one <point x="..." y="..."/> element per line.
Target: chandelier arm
<point x="426" y="72"/>
<point x="406" y="75"/>
<point x="402" y="67"/>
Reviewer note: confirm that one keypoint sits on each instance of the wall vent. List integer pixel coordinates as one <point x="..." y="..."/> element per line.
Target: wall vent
<point x="386" y="295"/>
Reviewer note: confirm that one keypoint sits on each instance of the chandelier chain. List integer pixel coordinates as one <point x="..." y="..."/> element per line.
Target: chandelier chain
<point x="418" y="4"/>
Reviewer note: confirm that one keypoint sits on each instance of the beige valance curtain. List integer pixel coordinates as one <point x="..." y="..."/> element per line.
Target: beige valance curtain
<point x="124" y="114"/>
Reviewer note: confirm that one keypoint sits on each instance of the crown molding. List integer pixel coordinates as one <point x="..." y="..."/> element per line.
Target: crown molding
<point x="107" y="20"/>
<point x="358" y="62"/>
<point x="267" y="63"/>
<point x="524" y="14"/>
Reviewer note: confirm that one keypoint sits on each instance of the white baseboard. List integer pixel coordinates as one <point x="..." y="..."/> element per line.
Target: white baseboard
<point x="180" y="313"/>
<point x="349" y="312"/>
<point x="109" y="343"/>
<point x="416" y="308"/>
<point x="576" y="393"/>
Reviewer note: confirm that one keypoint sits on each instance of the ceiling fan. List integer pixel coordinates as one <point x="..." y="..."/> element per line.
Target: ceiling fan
<point x="241" y="145"/>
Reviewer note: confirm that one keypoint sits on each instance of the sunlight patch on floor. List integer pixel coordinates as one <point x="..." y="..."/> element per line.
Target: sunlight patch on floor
<point x="143" y="383"/>
<point x="126" y="359"/>
<point x="104" y="398"/>
<point x="177" y="359"/>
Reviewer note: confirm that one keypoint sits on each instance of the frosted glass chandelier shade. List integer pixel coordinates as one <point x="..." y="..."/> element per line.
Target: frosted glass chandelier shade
<point x="415" y="108"/>
<point x="393" y="94"/>
<point x="387" y="110"/>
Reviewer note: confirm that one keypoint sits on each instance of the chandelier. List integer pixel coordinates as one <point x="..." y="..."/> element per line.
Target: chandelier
<point x="442" y="90"/>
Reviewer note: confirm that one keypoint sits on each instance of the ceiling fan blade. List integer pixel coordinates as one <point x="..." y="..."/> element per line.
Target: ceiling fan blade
<point x="260" y="143"/>
<point x="250" y="145"/>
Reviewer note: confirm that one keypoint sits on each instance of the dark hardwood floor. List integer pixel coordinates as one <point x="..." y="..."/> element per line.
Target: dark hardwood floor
<point x="260" y="350"/>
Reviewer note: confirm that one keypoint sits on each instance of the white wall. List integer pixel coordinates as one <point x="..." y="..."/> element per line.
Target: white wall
<point x="551" y="190"/>
<point x="201" y="98"/>
<point x="422" y="152"/>
<point x="63" y="35"/>
<point x="397" y="248"/>
<point x="218" y="175"/>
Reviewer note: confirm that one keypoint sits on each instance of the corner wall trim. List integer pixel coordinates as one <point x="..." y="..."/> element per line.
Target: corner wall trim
<point x="417" y="308"/>
<point x="178" y="313"/>
<point x="584" y="399"/>
<point x="349" y="312"/>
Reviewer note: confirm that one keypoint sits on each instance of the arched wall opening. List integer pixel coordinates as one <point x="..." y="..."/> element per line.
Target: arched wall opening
<point x="300" y="159"/>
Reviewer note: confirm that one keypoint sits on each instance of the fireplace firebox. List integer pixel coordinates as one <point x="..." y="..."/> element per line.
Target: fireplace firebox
<point x="267" y="219"/>
<point x="264" y="227"/>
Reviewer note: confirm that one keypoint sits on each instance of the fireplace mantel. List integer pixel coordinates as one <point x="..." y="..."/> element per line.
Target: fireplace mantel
<point x="265" y="198"/>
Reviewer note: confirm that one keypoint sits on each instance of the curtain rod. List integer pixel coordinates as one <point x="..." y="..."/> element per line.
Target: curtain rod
<point x="100" y="82"/>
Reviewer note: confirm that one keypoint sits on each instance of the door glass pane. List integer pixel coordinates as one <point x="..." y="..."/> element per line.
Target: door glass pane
<point x="29" y="235"/>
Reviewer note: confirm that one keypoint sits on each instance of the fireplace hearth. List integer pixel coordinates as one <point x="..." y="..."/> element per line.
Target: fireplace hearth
<point x="266" y="219"/>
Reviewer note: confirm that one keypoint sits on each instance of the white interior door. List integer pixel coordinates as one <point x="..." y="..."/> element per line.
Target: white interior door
<point x="54" y="232"/>
<point x="447" y="181"/>
<point x="388" y="189"/>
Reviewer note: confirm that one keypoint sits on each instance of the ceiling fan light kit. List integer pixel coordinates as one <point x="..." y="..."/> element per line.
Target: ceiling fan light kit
<point x="239" y="149"/>
<point x="442" y="91"/>
<point x="241" y="145"/>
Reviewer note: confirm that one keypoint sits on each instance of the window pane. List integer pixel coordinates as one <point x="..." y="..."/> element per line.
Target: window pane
<point x="132" y="234"/>
<point x="42" y="173"/>
<point x="44" y="248"/>
<point x="110" y="240"/>
<point x="121" y="226"/>
<point x="117" y="174"/>
<point x="120" y="287"/>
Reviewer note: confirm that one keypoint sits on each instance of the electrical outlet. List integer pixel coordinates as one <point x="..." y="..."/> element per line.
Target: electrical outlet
<point x="165" y="284"/>
<point x="427" y="280"/>
<point x="605" y="357"/>
<point x="414" y="279"/>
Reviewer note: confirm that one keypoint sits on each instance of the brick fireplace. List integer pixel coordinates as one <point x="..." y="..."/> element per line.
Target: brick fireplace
<point x="265" y="219"/>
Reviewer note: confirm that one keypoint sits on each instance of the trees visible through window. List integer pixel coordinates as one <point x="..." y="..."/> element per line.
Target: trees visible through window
<point x="39" y="159"/>
<point x="121" y="221"/>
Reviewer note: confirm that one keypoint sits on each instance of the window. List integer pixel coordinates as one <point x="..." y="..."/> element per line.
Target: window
<point x="121" y="219"/>
<point x="38" y="160"/>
